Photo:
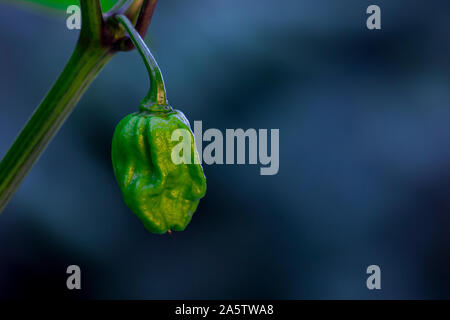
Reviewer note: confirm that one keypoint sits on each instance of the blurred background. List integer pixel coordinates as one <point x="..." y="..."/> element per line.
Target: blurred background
<point x="364" y="155"/>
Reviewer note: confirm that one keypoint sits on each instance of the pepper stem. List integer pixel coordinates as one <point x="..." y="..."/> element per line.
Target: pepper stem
<point x="156" y="99"/>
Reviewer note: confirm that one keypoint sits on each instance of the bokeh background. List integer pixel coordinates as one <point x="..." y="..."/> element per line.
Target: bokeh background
<point x="364" y="176"/>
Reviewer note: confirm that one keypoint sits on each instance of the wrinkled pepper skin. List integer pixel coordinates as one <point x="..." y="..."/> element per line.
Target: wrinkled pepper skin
<point x="162" y="194"/>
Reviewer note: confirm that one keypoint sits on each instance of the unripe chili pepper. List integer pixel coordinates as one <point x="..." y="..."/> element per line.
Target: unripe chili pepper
<point x="164" y="195"/>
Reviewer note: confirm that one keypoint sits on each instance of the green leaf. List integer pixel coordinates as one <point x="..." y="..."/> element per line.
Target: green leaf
<point x="63" y="4"/>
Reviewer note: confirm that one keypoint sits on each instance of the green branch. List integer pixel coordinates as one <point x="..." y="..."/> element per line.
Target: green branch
<point x="91" y="16"/>
<point x="78" y="74"/>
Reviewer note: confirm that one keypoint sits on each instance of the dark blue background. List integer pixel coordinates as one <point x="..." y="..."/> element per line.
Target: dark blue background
<point x="364" y="155"/>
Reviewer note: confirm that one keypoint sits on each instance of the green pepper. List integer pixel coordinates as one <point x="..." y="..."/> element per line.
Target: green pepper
<point x="164" y="195"/>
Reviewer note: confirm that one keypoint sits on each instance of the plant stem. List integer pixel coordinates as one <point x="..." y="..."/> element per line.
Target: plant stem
<point x="156" y="99"/>
<point x="145" y="16"/>
<point x="92" y="21"/>
<point x="78" y="74"/>
<point x="142" y="23"/>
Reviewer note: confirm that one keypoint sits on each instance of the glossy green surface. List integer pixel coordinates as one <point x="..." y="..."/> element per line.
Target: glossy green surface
<point x="162" y="194"/>
<point x="64" y="4"/>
